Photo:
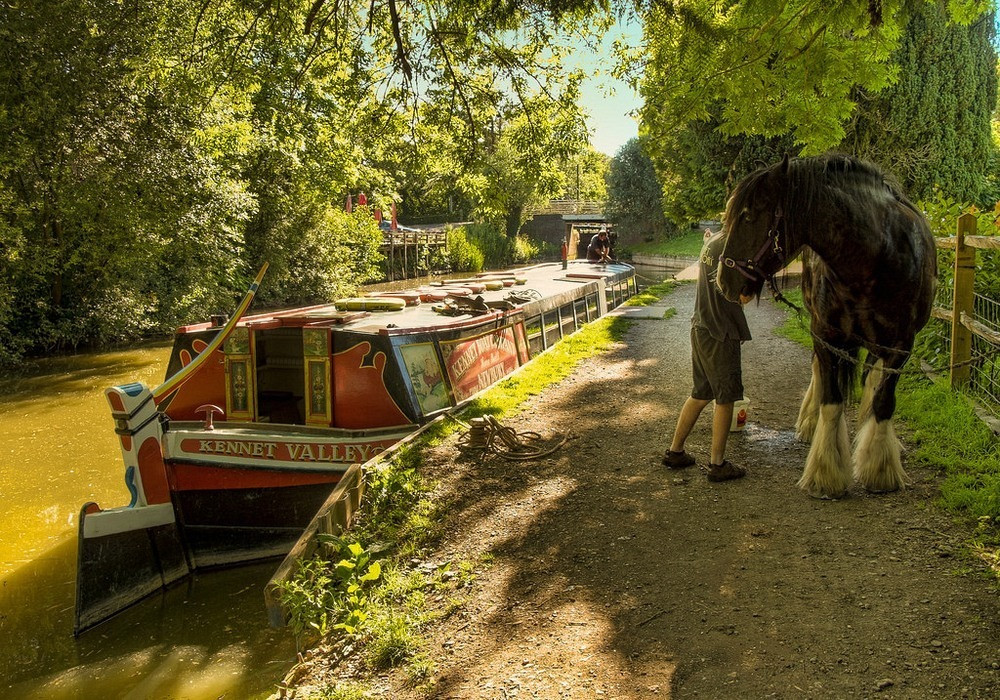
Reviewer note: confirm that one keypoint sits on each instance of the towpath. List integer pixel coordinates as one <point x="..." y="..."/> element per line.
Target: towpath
<point x="612" y="577"/>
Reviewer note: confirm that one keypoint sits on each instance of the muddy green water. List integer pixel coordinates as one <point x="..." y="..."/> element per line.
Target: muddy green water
<point x="206" y="638"/>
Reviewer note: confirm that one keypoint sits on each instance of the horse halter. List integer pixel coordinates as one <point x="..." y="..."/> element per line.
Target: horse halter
<point x="750" y="268"/>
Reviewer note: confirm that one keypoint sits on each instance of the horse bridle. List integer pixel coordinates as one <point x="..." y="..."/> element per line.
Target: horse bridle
<point x="750" y="268"/>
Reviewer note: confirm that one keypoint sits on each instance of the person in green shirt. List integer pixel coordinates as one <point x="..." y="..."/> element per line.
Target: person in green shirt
<point x="718" y="327"/>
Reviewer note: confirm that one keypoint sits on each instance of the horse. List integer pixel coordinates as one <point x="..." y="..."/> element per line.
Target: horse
<point x="868" y="280"/>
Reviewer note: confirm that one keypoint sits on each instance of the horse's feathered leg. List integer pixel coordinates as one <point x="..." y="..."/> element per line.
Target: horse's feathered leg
<point x="828" y="467"/>
<point x="878" y="465"/>
<point x="805" y="425"/>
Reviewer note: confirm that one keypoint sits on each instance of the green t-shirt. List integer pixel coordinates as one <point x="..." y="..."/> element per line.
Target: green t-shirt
<point x="723" y="319"/>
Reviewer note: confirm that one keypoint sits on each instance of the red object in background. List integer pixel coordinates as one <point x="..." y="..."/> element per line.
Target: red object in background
<point x="378" y="216"/>
<point x="362" y="200"/>
<point x="350" y="205"/>
<point x="395" y="224"/>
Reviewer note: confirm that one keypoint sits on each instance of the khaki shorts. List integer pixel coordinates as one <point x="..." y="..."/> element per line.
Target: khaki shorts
<point x="716" y="366"/>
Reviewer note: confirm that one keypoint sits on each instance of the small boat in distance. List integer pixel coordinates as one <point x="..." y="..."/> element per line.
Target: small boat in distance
<point x="229" y="459"/>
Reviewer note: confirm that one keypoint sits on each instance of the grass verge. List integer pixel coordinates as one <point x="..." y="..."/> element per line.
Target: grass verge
<point x="366" y="597"/>
<point x="652" y="294"/>
<point x="686" y="245"/>
<point x="946" y="435"/>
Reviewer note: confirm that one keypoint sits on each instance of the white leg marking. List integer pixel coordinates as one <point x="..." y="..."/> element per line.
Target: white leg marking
<point x="828" y="466"/>
<point x="805" y="426"/>
<point x="873" y="379"/>
<point x="877" y="462"/>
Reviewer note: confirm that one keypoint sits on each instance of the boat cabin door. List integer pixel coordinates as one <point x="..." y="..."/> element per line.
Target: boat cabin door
<point x="241" y="378"/>
<point x="316" y="344"/>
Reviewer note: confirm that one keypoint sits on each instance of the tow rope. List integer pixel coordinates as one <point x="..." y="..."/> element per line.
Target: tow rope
<point x="488" y="436"/>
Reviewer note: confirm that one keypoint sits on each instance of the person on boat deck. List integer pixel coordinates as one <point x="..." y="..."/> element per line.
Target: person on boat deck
<point x="599" y="250"/>
<point x="718" y="327"/>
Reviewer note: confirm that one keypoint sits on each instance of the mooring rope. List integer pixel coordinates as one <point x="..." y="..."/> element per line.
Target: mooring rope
<point x="489" y="436"/>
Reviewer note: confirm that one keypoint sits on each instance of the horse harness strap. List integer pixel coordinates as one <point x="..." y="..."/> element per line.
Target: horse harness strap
<point x="749" y="268"/>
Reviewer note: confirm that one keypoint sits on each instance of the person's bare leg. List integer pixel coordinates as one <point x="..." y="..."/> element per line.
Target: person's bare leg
<point x="722" y="418"/>
<point x="690" y="411"/>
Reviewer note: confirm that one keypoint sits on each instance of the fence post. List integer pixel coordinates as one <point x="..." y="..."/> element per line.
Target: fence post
<point x="965" y="274"/>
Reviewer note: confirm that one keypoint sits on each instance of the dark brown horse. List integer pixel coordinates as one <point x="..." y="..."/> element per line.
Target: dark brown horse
<point x="868" y="280"/>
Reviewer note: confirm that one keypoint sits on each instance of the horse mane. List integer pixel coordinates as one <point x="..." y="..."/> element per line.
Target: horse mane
<point x="806" y="184"/>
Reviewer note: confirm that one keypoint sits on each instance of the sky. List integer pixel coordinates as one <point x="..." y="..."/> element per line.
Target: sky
<point x="607" y="100"/>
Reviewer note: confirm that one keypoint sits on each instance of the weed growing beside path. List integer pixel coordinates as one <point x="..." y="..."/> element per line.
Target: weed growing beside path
<point x="944" y="433"/>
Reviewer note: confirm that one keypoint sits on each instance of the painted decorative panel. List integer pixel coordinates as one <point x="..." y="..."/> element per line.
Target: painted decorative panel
<point x="426" y="376"/>
<point x="318" y="403"/>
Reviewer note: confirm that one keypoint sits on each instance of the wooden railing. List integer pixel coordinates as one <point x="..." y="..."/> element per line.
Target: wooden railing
<point x="963" y="325"/>
<point x="433" y="237"/>
<point x="568" y="206"/>
<point x="404" y="248"/>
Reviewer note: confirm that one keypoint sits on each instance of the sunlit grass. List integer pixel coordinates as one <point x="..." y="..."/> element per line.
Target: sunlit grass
<point x="685" y="245"/>
<point x="652" y="294"/>
<point x="550" y="367"/>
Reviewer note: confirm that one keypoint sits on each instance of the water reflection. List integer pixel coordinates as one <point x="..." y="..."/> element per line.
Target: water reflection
<point x="206" y="638"/>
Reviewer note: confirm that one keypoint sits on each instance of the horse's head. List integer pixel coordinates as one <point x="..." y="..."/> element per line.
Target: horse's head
<point x="754" y="222"/>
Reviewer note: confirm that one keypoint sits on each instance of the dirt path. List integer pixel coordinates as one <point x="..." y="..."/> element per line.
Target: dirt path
<point x="615" y="578"/>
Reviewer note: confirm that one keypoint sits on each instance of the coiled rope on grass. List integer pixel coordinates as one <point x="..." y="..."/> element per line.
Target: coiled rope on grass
<point x="489" y="436"/>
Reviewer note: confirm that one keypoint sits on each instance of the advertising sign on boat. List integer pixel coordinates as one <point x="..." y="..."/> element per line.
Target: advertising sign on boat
<point x="474" y="364"/>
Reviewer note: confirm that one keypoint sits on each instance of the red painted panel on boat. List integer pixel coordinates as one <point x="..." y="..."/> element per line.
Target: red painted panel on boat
<point x="198" y="477"/>
<point x="361" y="398"/>
<point x="127" y="443"/>
<point x="475" y="363"/>
<point x="207" y="385"/>
<point x="151" y="470"/>
<point x="116" y="402"/>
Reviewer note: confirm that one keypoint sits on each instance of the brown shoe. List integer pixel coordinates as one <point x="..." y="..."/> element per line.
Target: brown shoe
<point x="677" y="460"/>
<point x="725" y="471"/>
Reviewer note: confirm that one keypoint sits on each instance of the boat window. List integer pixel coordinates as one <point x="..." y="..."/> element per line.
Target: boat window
<point x="568" y="322"/>
<point x="280" y="376"/>
<point x="592" y="307"/>
<point x="533" y="329"/>
<point x="552" y="332"/>
<point x="580" y="310"/>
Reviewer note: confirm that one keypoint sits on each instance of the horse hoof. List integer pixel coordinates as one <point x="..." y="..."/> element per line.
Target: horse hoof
<point x="821" y="495"/>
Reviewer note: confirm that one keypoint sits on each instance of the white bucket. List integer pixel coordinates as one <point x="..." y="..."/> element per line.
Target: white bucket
<point x="741" y="414"/>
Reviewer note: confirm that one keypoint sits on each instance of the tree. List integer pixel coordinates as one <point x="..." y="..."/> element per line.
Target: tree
<point x="585" y="176"/>
<point x="931" y="128"/>
<point x="772" y="67"/>
<point x="634" y="194"/>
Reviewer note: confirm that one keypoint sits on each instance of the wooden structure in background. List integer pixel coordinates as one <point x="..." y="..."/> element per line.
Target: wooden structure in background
<point x="408" y="248"/>
<point x="960" y="315"/>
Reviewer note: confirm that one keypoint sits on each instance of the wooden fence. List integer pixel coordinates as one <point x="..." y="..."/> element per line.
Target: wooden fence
<point x="407" y="246"/>
<point x="961" y="314"/>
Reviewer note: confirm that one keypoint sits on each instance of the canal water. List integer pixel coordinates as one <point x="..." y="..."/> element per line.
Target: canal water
<point x="206" y="638"/>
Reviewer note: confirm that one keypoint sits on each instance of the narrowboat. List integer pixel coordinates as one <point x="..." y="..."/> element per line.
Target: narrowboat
<point x="228" y="460"/>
